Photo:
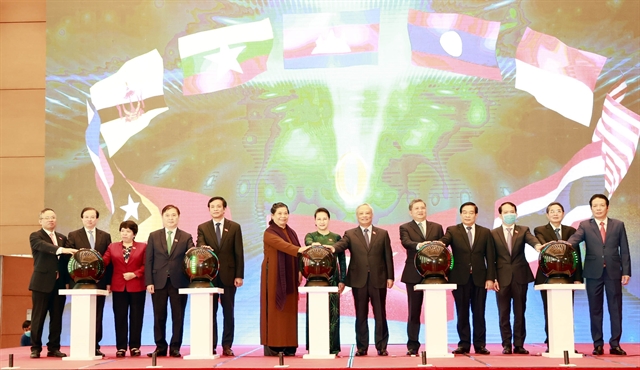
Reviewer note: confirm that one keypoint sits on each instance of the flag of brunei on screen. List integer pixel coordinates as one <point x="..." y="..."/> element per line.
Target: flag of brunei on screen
<point x="454" y="42"/>
<point x="225" y="57"/>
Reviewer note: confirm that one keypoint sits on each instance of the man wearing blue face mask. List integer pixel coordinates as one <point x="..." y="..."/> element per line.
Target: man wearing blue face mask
<point x="25" y="340"/>
<point x="513" y="277"/>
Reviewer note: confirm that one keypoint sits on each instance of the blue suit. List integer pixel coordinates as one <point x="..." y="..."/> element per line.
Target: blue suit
<point x="604" y="265"/>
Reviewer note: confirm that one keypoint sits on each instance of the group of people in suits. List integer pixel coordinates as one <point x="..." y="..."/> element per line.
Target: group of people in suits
<point x="485" y="260"/>
<point x="133" y="269"/>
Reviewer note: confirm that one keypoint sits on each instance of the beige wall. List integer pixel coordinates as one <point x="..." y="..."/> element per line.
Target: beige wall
<point x="22" y="89"/>
<point x="22" y="122"/>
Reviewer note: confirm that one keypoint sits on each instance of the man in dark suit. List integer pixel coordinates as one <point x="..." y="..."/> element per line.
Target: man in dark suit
<point x="90" y="237"/>
<point x="50" y="258"/>
<point x="514" y="276"/>
<point x="370" y="274"/>
<point x="164" y="277"/>
<point x="474" y="272"/>
<point x="413" y="235"/>
<point x="607" y="265"/>
<point x="225" y="238"/>
<point x="552" y="231"/>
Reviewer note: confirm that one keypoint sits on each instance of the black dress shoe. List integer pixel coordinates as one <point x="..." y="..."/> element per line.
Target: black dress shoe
<point x="460" y="351"/>
<point x="617" y="351"/>
<point x="214" y="352"/>
<point x="174" y="353"/>
<point x="121" y="353"/>
<point x="99" y="353"/>
<point x="598" y="351"/>
<point x="56" y="353"/>
<point x="361" y="353"/>
<point x="520" y="350"/>
<point x="412" y="352"/>
<point x="228" y="352"/>
<point x="506" y="350"/>
<point x="135" y="352"/>
<point x="158" y="353"/>
<point x="35" y="354"/>
<point x="383" y="352"/>
<point x="482" y="351"/>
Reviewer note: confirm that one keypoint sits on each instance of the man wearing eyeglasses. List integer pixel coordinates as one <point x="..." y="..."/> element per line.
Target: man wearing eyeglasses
<point x="50" y="259"/>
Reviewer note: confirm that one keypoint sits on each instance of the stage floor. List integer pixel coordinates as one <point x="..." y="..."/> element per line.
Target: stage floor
<point x="251" y="357"/>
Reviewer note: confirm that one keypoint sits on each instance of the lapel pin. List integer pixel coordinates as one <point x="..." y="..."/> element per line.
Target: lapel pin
<point x="226" y="230"/>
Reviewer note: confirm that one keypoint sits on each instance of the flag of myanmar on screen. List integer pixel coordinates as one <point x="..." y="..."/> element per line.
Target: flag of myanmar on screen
<point x="224" y="57"/>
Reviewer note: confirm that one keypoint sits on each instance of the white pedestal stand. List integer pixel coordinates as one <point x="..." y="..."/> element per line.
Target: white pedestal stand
<point x="560" y="315"/>
<point x="83" y="323"/>
<point x="435" y="319"/>
<point x="318" y="321"/>
<point x="201" y="347"/>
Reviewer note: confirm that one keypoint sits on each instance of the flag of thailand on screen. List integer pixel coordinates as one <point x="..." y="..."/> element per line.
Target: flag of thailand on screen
<point x="129" y="99"/>
<point x="224" y="57"/>
<point x="455" y="43"/>
<point x="327" y="40"/>
<point x="560" y="77"/>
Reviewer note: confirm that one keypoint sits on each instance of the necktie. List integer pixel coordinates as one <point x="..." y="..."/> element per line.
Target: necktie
<point x="509" y="239"/>
<point x="366" y="237"/>
<point x="470" y="236"/>
<point x="218" y="233"/>
<point x="603" y="233"/>
<point x="558" y="237"/>
<point x="424" y="234"/>
<point x="92" y="240"/>
<point x="169" y="241"/>
<point x="53" y="239"/>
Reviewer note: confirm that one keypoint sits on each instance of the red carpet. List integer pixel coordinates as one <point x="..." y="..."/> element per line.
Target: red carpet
<point x="250" y="357"/>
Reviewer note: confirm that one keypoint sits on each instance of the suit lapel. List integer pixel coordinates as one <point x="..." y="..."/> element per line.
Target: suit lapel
<point x="416" y="228"/>
<point x="465" y="236"/>
<point x="211" y="229"/>
<point x="363" y="240"/>
<point x="595" y="228"/>
<point x="84" y="240"/>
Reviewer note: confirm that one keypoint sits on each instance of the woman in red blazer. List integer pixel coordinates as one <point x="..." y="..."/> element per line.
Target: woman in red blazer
<point x="128" y="287"/>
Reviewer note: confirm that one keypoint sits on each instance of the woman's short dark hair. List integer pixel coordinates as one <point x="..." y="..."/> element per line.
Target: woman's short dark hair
<point x="129" y="225"/>
<point x="321" y="210"/>
<point x="275" y="206"/>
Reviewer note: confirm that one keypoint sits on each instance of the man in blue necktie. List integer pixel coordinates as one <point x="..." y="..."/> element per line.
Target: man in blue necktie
<point x="225" y="238"/>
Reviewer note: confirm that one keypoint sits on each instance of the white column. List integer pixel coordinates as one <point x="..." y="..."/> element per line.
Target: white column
<point x="435" y="319"/>
<point x="560" y="316"/>
<point x="83" y="323"/>
<point x="201" y="347"/>
<point x="318" y="297"/>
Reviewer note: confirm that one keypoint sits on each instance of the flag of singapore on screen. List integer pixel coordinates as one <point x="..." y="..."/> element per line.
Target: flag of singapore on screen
<point x="338" y="103"/>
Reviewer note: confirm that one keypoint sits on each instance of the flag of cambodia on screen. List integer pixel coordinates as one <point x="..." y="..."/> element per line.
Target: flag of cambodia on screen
<point x="225" y="57"/>
<point x="455" y="43"/>
<point x="325" y="40"/>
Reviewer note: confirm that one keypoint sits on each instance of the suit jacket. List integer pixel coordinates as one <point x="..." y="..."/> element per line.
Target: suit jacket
<point x="614" y="251"/>
<point x="546" y="234"/>
<point x="230" y="252"/>
<point x="115" y="258"/>
<point x="515" y="266"/>
<point x="410" y="237"/>
<point x="46" y="264"/>
<point x="160" y="264"/>
<point x="376" y="259"/>
<point x="481" y="258"/>
<point x="78" y="240"/>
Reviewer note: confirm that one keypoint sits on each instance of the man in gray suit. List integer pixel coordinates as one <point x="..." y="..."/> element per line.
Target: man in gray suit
<point x="607" y="265"/>
<point x="164" y="277"/>
<point x="225" y="238"/>
<point x="370" y="274"/>
<point x="90" y="237"/>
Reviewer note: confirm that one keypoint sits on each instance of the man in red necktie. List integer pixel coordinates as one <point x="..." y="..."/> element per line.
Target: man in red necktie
<point x="607" y="263"/>
<point x="50" y="259"/>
